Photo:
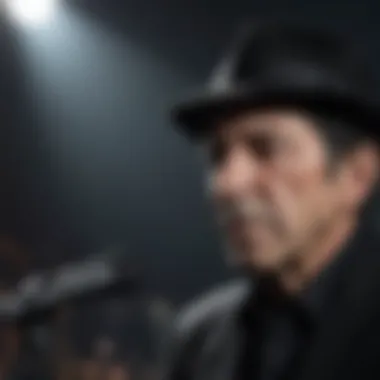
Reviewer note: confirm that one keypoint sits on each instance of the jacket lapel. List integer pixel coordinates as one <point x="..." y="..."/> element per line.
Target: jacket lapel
<point x="222" y="351"/>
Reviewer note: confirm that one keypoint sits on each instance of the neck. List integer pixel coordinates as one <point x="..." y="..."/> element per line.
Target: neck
<point x="294" y="277"/>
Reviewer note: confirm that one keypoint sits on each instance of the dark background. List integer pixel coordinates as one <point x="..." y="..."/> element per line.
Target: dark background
<point x="88" y="155"/>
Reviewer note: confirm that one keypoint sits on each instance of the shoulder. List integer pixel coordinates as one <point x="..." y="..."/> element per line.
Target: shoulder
<point x="196" y="323"/>
<point x="212" y="306"/>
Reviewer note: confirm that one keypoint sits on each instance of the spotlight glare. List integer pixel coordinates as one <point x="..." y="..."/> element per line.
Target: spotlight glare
<point x="31" y="12"/>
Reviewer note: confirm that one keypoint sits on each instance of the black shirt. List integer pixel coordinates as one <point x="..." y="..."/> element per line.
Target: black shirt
<point x="275" y="335"/>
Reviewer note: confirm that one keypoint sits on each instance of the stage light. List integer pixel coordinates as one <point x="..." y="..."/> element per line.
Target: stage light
<point x="31" y="12"/>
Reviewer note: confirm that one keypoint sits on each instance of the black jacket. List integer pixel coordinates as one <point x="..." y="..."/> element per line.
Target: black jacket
<point x="208" y="335"/>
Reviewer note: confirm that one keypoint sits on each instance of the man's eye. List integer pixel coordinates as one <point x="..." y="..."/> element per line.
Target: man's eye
<point x="264" y="148"/>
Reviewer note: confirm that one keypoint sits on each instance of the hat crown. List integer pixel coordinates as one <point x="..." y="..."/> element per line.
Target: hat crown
<point x="276" y="54"/>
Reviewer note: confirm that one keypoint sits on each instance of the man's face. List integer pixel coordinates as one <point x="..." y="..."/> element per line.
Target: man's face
<point x="270" y="185"/>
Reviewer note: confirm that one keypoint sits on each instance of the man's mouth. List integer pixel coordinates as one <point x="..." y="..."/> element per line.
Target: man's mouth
<point x="240" y="227"/>
<point x="242" y="214"/>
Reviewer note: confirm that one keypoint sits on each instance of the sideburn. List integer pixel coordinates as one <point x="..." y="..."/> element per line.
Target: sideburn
<point x="340" y="137"/>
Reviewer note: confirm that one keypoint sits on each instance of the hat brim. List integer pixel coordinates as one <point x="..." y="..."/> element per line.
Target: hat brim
<point x="196" y="116"/>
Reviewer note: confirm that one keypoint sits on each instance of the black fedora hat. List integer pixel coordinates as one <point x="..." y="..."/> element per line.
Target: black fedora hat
<point x="285" y="64"/>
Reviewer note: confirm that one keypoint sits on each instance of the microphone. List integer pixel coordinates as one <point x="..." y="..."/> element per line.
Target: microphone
<point x="39" y="294"/>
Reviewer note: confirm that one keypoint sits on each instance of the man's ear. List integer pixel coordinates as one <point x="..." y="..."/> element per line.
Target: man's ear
<point x="361" y="172"/>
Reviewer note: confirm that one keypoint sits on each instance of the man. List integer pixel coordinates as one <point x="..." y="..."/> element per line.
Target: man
<point x="291" y="133"/>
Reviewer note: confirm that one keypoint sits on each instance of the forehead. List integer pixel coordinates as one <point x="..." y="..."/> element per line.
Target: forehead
<point x="277" y="122"/>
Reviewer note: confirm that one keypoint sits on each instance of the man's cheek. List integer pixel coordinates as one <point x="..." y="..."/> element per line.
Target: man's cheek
<point x="286" y="208"/>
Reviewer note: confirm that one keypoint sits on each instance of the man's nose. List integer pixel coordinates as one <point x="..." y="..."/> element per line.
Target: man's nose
<point x="235" y="176"/>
